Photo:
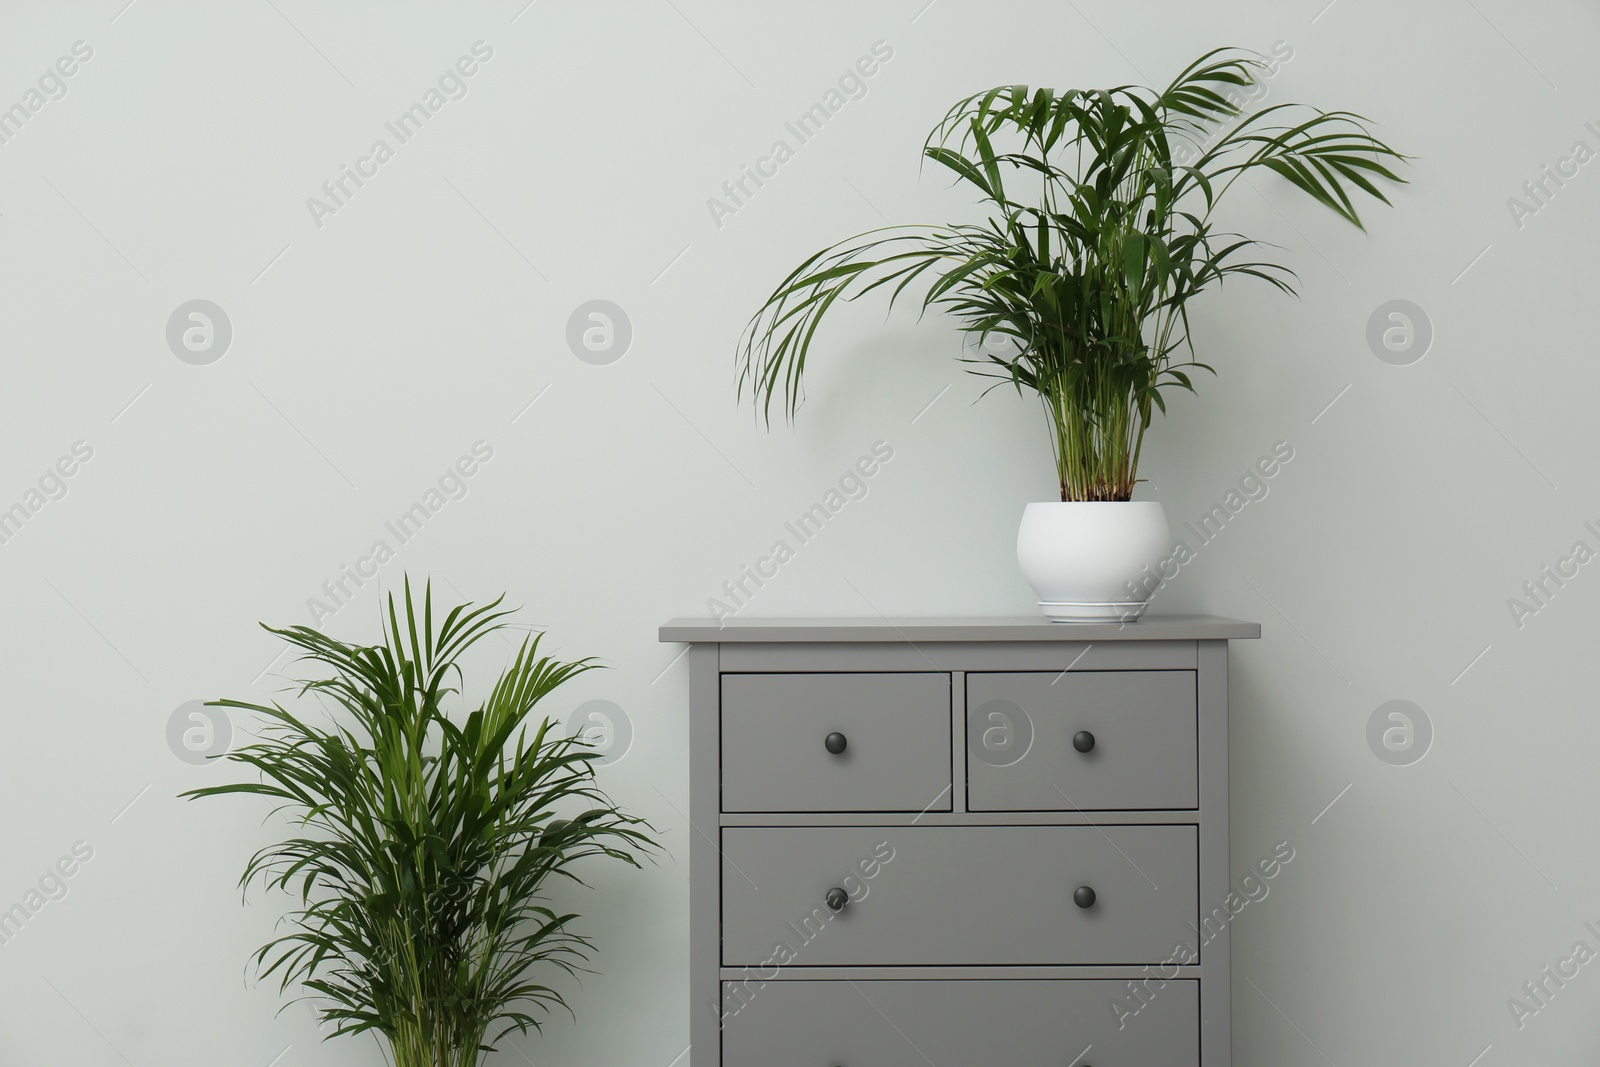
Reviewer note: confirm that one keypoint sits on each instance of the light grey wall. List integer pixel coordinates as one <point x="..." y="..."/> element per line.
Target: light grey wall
<point x="371" y="351"/>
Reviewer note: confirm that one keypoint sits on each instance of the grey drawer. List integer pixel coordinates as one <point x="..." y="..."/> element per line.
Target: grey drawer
<point x="958" y="895"/>
<point x="1020" y="727"/>
<point x="957" y="1024"/>
<point x="896" y="758"/>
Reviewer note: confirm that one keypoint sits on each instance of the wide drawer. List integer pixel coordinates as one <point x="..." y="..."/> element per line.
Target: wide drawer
<point x="959" y="1024"/>
<point x="1142" y="741"/>
<point x="957" y="895"/>
<point x="895" y="727"/>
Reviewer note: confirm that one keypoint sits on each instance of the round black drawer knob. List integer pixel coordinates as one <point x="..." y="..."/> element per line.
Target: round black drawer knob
<point x="1083" y="741"/>
<point x="835" y="743"/>
<point x="836" y="899"/>
<point x="1082" y="896"/>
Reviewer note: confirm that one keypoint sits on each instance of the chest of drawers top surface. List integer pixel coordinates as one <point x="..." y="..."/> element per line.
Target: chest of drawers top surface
<point x="935" y="629"/>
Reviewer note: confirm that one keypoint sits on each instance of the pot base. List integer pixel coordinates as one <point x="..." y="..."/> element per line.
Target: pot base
<point x="1061" y="611"/>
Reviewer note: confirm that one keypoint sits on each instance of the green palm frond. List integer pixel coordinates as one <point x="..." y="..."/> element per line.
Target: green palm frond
<point x="1090" y="273"/>
<point x="430" y="844"/>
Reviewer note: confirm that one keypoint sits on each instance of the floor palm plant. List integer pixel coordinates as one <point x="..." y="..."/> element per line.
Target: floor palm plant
<point x="1085" y="277"/>
<point x="430" y="845"/>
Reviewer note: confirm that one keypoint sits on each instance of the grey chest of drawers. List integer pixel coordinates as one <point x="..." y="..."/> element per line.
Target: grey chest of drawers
<point x="958" y="842"/>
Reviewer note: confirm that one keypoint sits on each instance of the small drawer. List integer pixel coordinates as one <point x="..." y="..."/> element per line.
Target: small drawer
<point x="959" y="1024"/>
<point x="1082" y="741"/>
<point x="957" y="895"/>
<point x="779" y="732"/>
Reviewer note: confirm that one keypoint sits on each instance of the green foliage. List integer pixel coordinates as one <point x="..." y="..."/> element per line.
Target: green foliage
<point x="1087" y="280"/>
<point x="423" y="878"/>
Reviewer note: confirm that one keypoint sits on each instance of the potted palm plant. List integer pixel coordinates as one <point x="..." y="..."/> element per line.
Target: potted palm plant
<point x="426" y="847"/>
<point x="1083" y="281"/>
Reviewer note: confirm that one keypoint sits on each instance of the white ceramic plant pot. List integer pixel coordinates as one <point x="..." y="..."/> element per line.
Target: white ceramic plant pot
<point x="1091" y="562"/>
